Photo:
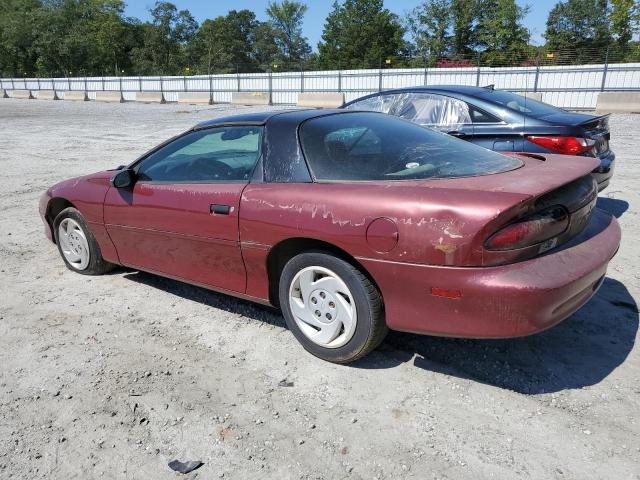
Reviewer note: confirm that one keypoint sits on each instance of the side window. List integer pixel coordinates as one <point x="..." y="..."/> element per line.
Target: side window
<point x="478" y="116"/>
<point x="223" y="154"/>
<point x="431" y="110"/>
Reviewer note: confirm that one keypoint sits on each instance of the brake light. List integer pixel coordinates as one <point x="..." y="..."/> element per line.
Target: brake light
<point x="564" y="145"/>
<point x="531" y="230"/>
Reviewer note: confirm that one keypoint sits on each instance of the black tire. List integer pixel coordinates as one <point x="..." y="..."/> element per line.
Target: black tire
<point x="371" y="327"/>
<point x="97" y="265"/>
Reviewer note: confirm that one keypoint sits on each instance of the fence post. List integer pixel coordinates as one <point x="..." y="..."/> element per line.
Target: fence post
<point x="184" y="83"/>
<point x="270" y="84"/>
<point x="237" y="78"/>
<point x="161" y="86"/>
<point x="604" y="71"/>
<point x="339" y="81"/>
<point x="85" y="85"/>
<point x="210" y="89"/>
<point x="535" y="81"/>
<point x="13" y="84"/>
<point x="120" y="79"/>
<point x="478" y="71"/>
<point x="425" y="81"/>
<point x="301" y="80"/>
<point x="103" y="84"/>
<point x="38" y="80"/>
<point x="68" y="83"/>
<point x="139" y="83"/>
<point x="380" y="75"/>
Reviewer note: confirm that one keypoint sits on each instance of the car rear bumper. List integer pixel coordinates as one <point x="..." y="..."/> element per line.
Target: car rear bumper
<point x="497" y="302"/>
<point x="604" y="172"/>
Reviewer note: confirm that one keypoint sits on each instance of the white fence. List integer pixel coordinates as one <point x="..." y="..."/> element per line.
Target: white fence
<point x="573" y="87"/>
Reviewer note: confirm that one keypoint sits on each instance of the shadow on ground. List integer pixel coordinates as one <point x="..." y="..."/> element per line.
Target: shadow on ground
<point x="581" y="351"/>
<point x="614" y="206"/>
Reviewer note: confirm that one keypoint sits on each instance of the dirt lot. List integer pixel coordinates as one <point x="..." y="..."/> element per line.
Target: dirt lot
<point x="115" y="376"/>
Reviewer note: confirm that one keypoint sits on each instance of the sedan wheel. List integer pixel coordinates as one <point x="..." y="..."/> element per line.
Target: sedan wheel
<point x="73" y="244"/>
<point x="331" y="307"/>
<point x="323" y="307"/>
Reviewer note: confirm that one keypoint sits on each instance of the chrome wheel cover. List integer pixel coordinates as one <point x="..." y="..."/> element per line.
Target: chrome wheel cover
<point x="323" y="307"/>
<point x="73" y="243"/>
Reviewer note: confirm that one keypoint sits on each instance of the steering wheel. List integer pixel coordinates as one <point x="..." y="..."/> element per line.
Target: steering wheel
<point x="209" y="167"/>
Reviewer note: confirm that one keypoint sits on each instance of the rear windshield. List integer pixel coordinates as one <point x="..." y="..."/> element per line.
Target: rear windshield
<point x="519" y="103"/>
<point x="371" y="146"/>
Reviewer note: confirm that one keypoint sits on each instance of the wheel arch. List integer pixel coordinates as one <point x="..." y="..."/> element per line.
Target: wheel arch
<point x="54" y="207"/>
<point x="285" y="250"/>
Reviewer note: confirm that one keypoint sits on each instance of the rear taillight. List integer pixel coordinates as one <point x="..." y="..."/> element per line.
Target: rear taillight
<point x="531" y="230"/>
<point x="564" y="145"/>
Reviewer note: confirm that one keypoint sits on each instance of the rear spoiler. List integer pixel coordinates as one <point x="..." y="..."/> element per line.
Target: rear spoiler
<point x="595" y="120"/>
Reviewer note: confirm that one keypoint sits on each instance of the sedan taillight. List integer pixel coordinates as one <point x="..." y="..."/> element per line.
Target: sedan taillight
<point x="531" y="230"/>
<point x="564" y="145"/>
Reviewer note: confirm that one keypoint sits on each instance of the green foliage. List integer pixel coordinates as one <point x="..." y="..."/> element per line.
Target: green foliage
<point x="359" y="34"/>
<point x="429" y="25"/>
<point x="94" y="37"/>
<point x="286" y="19"/>
<point x="500" y="33"/>
<point x="579" y="25"/>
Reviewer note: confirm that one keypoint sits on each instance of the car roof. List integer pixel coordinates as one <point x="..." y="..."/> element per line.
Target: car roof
<point x="261" y="118"/>
<point x="465" y="89"/>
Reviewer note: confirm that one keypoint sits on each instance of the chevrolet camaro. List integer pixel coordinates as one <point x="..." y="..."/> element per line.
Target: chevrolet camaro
<point x="352" y="223"/>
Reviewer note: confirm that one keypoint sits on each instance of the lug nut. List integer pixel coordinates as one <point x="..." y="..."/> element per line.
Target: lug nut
<point x="332" y="305"/>
<point x="318" y="313"/>
<point x="328" y="315"/>
<point x="314" y="300"/>
<point x="322" y="295"/>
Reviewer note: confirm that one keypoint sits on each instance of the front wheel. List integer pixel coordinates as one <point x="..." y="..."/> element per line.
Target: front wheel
<point x="331" y="307"/>
<point x="77" y="245"/>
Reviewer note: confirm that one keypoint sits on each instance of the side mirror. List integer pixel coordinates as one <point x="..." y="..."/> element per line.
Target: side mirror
<point x="124" y="178"/>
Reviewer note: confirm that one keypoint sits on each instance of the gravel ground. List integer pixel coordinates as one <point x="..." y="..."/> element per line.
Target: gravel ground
<point x="115" y="376"/>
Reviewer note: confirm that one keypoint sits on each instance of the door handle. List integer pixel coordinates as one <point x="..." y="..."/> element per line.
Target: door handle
<point x="456" y="133"/>
<point x="218" y="209"/>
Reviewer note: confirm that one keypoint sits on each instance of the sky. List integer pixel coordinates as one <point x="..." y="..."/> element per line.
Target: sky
<point x="318" y="11"/>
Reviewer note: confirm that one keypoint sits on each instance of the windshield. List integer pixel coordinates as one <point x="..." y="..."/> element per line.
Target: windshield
<point x="371" y="146"/>
<point x="519" y="103"/>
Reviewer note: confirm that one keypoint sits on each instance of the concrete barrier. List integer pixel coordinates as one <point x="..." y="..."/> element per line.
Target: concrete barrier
<point x="114" y="97"/>
<point x="618" y="102"/>
<point x="195" y="98"/>
<point x="150" y="97"/>
<point x="250" y="98"/>
<point x="533" y="95"/>
<point x="76" y="96"/>
<point x="24" y="94"/>
<point x="321" y="100"/>
<point x="47" y="95"/>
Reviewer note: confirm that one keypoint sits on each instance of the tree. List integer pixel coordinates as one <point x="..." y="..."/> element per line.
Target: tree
<point x="464" y="14"/>
<point x="625" y="20"/>
<point x="164" y="40"/>
<point x="500" y="32"/>
<point x="286" y="18"/>
<point x="225" y="44"/>
<point x="581" y="26"/>
<point x="429" y="25"/>
<point x="359" y="34"/>
<point x="18" y="32"/>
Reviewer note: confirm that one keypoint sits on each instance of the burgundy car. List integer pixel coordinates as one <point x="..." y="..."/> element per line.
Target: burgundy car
<point x="352" y="223"/>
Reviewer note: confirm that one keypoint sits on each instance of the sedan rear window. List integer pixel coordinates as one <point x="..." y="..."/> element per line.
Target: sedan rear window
<point x="519" y="103"/>
<point x="368" y="146"/>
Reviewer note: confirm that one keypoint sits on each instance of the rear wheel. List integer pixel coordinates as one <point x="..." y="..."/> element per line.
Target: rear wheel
<point x="331" y="307"/>
<point x="77" y="245"/>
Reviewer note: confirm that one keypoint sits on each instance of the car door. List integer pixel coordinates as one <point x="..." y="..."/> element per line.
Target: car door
<point x="491" y="132"/>
<point x="180" y="217"/>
